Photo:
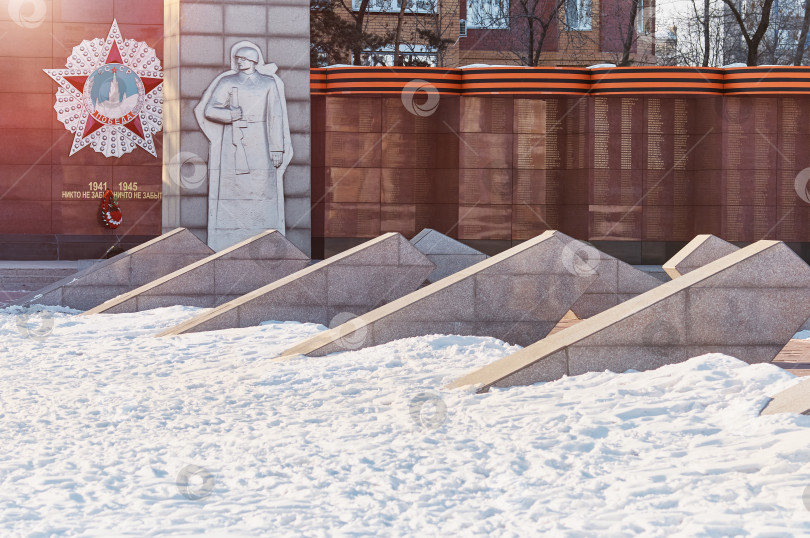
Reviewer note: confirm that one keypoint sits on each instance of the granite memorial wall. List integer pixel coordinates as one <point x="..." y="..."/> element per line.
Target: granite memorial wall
<point x="636" y="160"/>
<point x="637" y="173"/>
<point x="49" y="199"/>
<point x="85" y="107"/>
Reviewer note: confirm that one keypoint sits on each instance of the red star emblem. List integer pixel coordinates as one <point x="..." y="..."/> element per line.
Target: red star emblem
<point x="121" y="125"/>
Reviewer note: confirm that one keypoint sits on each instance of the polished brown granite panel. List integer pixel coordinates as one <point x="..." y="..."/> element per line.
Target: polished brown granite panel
<point x="353" y="114"/>
<point x="749" y="151"/>
<point x="794" y="115"/>
<point x="531" y="220"/>
<point x="486" y="115"/>
<point x="793" y="151"/>
<point x="26" y="217"/>
<point x="398" y="119"/>
<point x="683" y="115"/>
<point x="666" y="223"/>
<point x="534" y="187"/>
<point x="659" y="186"/>
<point x="25" y="182"/>
<point x="705" y="188"/>
<point x="410" y="219"/>
<point x="748" y="223"/>
<point x="26" y="146"/>
<point x="530" y="116"/>
<point x="749" y="187"/>
<point x="348" y="150"/>
<point x="572" y="184"/>
<point x="703" y="152"/>
<point x="318" y="189"/>
<point x="352" y="184"/>
<point x="400" y="218"/>
<point x="707" y="220"/>
<point x="485" y="150"/>
<point x="318" y="153"/>
<point x="755" y="115"/>
<point x="575" y="151"/>
<point x="487" y="186"/>
<point x="550" y="186"/>
<point x="418" y="150"/>
<point x="569" y="114"/>
<point x="318" y="220"/>
<point x="317" y="110"/>
<point x="574" y="220"/>
<point x="683" y="187"/>
<point x="794" y="221"/>
<point x="443" y="218"/>
<point x="788" y="190"/>
<point x="684" y="151"/>
<point x="615" y="222"/>
<point x="420" y="185"/>
<point x="610" y="187"/>
<point x="485" y="222"/>
<point x="618" y="133"/>
<point x="529" y="151"/>
<point x="351" y="220"/>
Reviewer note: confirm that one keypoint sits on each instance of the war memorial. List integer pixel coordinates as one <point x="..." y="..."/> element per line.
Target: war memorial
<point x="191" y="181"/>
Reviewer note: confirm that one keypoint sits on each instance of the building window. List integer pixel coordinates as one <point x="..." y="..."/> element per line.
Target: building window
<point x="640" y="17"/>
<point x="412" y="55"/>
<point x="578" y="14"/>
<point x="392" y="6"/>
<point x="488" y="14"/>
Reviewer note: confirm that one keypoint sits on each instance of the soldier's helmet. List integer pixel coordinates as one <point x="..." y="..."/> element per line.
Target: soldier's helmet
<point x="248" y="53"/>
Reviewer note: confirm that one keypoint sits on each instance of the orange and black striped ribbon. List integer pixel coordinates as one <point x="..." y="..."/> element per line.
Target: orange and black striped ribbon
<point x="562" y="80"/>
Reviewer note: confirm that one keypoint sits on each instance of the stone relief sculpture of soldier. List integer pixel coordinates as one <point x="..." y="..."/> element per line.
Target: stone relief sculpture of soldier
<point x="243" y="113"/>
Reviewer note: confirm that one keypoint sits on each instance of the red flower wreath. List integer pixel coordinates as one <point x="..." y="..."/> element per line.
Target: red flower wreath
<point x="110" y="213"/>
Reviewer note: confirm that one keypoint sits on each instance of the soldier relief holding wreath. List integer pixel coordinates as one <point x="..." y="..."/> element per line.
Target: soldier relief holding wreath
<point x="243" y="113"/>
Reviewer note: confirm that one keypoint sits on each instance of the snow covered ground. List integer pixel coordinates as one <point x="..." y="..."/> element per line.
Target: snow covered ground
<point x="98" y="419"/>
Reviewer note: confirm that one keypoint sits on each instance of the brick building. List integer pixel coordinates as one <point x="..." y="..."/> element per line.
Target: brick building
<point x="579" y="32"/>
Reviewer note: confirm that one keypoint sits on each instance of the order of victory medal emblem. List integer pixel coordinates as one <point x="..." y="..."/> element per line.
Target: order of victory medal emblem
<point x="110" y="95"/>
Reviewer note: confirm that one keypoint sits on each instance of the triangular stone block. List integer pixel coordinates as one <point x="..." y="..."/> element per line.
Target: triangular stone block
<point x="616" y="280"/>
<point x="350" y="283"/>
<point x="698" y="252"/>
<point x="747" y="304"/>
<point x="217" y="279"/>
<point x="517" y="296"/>
<point x="135" y="267"/>
<point x="701" y="250"/>
<point x="449" y="255"/>
<point x="793" y="400"/>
